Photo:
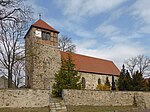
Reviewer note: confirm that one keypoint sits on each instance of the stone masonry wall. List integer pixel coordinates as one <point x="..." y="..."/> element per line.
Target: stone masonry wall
<point x="92" y="79"/>
<point x="106" y="98"/>
<point x="40" y="98"/>
<point x="46" y="63"/>
<point x="3" y="83"/>
<point x="24" y="98"/>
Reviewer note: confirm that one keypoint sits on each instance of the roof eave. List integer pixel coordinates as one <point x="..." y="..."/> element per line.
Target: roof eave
<point x="41" y="28"/>
<point x="99" y="73"/>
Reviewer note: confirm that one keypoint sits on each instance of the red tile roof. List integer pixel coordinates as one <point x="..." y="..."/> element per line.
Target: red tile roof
<point x="92" y="65"/>
<point x="41" y="24"/>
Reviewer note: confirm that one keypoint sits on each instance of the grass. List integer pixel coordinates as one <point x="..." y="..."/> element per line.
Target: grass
<point x="44" y="109"/>
<point x="97" y="108"/>
<point x="77" y="109"/>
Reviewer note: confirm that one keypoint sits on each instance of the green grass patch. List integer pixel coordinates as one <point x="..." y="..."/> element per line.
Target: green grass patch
<point x="44" y="109"/>
<point x="99" y="109"/>
<point x="79" y="109"/>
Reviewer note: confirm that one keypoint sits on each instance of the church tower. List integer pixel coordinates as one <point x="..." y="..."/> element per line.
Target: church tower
<point x="43" y="58"/>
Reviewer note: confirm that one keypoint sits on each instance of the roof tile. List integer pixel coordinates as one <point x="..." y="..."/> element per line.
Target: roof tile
<point x="41" y="24"/>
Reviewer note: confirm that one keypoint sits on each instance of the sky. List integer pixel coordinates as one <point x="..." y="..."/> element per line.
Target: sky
<point x="115" y="30"/>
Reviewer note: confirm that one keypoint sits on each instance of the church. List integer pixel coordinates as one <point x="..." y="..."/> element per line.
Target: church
<point x="43" y="60"/>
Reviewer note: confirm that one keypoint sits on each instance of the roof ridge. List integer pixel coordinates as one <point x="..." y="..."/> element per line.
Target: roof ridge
<point x="42" y="24"/>
<point x="90" y="56"/>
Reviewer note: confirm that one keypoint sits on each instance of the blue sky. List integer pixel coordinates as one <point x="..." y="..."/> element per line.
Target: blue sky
<point x="110" y="29"/>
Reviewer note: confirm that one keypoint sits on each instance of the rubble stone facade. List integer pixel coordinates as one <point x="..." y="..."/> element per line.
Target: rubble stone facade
<point x="92" y="80"/>
<point x="40" y="98"/>
<point x="107" y="98"/>
<point x="24" y="98"/>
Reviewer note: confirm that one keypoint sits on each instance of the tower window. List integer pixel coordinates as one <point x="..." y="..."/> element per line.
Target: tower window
<point x="46" y="35"/>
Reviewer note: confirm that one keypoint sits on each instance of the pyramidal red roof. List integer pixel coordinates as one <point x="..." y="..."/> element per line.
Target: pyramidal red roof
<point x="92" y="65"/>
<point x="41" y="24"/>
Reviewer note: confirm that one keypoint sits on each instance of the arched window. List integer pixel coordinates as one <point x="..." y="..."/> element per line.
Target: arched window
<point x="99" y="81"/>
<point x="83" y="83"/>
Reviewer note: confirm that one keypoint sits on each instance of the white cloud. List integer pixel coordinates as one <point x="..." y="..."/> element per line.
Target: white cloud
<point x="141" y="9"/>
<point x="84" y="33"/>
<point x="85" y="43"/>
<point x="118" y="53"/>
<point x="114" y="34"/>
<point x="107" y="30"/>
<point x="122" y="38"/>
<point x="145" y="29"/>
<point x="65" y="25"/>
<point x="37" y="9"/>
<point x="83" y="8"/>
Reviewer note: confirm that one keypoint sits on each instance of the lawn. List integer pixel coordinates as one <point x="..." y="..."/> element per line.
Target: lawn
<point x="97" y="109"/>
<point x="77" y="109"/>
<point x="45" y="109"/>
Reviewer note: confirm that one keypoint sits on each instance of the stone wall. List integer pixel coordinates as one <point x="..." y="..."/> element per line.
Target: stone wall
<point x="106" y="98"/>
<point x="91" y="79"/>
<point x="3" y="82"/>
<point x="24" y="98"/>
<point x="40" y="98"/>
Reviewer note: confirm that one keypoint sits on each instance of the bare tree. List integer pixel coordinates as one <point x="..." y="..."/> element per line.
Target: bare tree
<point x="19" y="73"/>
<point x="140" y="63"/>
<point x="14" y="17"/>
<point x="131" y="64"/>
<point x="14" y="10"/>
<point x="10" y="48"/>
<point x="65" y="44"/>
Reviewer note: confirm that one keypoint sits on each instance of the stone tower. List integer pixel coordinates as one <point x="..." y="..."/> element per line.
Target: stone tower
<point x="42" y="55"/>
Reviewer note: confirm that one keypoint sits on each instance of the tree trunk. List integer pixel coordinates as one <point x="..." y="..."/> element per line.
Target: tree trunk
<point x="9" y="79"/>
